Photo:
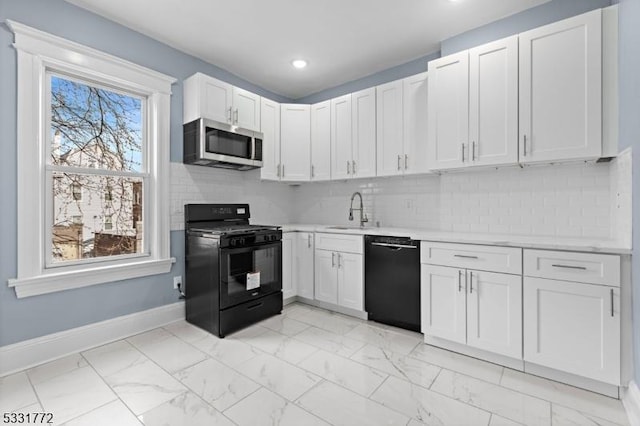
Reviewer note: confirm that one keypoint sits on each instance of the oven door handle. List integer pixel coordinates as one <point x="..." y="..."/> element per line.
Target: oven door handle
<point x="231" y="250"/>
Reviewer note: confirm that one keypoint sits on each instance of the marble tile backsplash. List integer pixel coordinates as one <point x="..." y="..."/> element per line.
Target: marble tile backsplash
<point x="568" y="200"/>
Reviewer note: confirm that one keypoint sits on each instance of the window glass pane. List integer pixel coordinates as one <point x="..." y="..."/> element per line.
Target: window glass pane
<point x="94" y="127"/>
<point x="94" y="226"/>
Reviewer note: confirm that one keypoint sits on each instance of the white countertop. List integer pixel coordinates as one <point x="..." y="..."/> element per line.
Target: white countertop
<point x="535" y="242"/>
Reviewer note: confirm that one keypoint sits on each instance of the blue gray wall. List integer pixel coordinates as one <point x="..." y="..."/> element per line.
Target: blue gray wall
<point x="544" y="14"/>
<point x="535" y="17"/>
<point x="22" y="319"/>
<point x="629" y="106"/>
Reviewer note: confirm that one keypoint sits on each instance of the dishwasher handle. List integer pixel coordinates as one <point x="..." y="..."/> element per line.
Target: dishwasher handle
<point x="396" y="246"/>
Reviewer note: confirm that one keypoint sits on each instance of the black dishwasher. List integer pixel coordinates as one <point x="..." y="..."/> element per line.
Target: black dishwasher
<point x="392" y="280"/>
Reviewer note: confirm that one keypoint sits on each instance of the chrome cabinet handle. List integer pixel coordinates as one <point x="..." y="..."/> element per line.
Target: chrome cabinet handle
<point x="313" y="171"/>
<point x="283" y="170"/>
<point x="524" y="150"/>
<point x="465" y="256"/>
<point x="473" y="151"/>
<point x="308" y="240"/>
<point x="612" y="302"/>
<point x="236" y="114"/>
<point x="353" y="167"/>
<point x="348" y="167"/>
<point x="333" y="261"/>
<point x="470" y="282"/>
<point x="463" y="152"/>
<point x="339" y="258"/>
<point x="399" y="159"/>
<point x="459" y="280"/>
<point x="278" y="170"/>
<point x="582" y="268"/>
<point x="406" y="161"/>
<point x="229" y="118"/>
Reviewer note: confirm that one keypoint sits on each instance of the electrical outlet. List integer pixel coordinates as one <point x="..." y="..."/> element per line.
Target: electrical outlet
<point x="177" y="280"/>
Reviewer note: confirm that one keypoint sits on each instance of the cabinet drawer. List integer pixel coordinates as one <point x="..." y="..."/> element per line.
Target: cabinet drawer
<point x="590" y="268"/>
<point x="485" y="258"/>
<point x="340" y="242"/>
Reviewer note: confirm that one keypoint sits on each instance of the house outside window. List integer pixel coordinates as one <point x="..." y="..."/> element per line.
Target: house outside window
<point x="93" y="138"/>
<point x="76" y="190"/>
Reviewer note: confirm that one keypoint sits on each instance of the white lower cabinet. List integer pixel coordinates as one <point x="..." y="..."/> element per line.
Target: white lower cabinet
<point x="340" y="279"/>
<point x="339" y="274"/>
<point x="443" y="302"/>
<point x="477" y="308"/>
<point x="288" y="265"/>
<point x="304" y="265"/>
<point x="573" y="327"/>
<point x="326" y="277"/>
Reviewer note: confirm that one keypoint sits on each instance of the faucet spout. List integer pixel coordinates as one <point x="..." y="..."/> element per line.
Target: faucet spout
<point x="363" y="216"/>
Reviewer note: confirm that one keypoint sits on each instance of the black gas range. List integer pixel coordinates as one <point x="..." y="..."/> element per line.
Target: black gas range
<point x="233" y="270"/>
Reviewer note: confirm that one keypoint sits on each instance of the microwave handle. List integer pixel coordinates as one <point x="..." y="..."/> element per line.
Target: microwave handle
<point x="253" y="148"/>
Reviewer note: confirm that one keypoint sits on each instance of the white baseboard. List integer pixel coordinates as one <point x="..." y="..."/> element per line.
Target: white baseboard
<point x="29" y="353"/>
<point x="631" y="402"/>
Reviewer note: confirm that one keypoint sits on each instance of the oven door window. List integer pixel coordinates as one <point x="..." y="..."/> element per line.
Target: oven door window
<point x="248" y="273"/>
<point x="226" y="143"/>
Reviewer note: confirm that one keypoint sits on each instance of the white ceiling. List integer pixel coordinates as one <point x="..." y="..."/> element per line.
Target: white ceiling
<point x="342" y="40"/>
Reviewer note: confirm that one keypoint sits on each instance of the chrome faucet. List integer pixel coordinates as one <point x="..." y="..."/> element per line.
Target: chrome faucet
<point x="363" y="216"/>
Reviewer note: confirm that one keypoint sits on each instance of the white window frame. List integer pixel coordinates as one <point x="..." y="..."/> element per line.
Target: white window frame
<point x="38" y="54"/>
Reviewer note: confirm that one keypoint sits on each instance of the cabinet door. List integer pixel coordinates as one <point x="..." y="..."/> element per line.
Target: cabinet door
<point x="573" y="327"/>
<point x="443" y="302"/>
<point x="304" y="267"/>
<point x="415" y="97"/>
<point x="493" y="102"/>
<point x="350" y="281"/>
<point x="494" y="312"/>
<point x="295" y="142"/>
<point x="270" y="127"/>
<point x="341" y="137"/>
<point x="363" y="105"/>
<point x="321" y="141"/>
<point x="448" y="118"/>
<point x="246" y="109"/>
<point x="390" y="155"/>
<point x="288" y="265"/>
<point x="326" y="276"/>
<point x="561" y="90"/>
<point x="216" y="98"/>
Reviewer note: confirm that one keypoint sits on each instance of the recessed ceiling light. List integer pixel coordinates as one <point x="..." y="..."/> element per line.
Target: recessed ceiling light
<point x="299" y="63"/>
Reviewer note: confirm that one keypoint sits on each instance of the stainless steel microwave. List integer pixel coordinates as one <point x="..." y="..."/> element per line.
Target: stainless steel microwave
<point x="215" y="144"/>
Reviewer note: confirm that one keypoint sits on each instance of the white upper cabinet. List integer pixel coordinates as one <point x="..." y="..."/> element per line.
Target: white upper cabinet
<point x="246" y="109"/>
<point x="295" y="142"/>
<point x="363" y="107"/>
<point x="270" y="124"/>
<point x="402" y="126"/>
<point x="389" y="114"/>
<point x="493" y="103"/>
<point x="448" y="119"/>
<point x="206" y="97"/>
<point x="415" y="101"/>
<point x="211" y="98"/>
<point x="341" y="155"/>
<point x="561" y="90"/>
<point x="321" y="141"/>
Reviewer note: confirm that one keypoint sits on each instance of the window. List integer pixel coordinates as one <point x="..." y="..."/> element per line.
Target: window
<point x="76" y="189"/>
<point x="93" y="136"/>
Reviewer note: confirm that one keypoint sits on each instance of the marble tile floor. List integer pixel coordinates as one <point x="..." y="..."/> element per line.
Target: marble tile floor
<point x="307" y="366"/>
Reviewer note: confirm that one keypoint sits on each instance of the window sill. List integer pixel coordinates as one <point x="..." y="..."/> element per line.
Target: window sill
<point x="49" y="283"/>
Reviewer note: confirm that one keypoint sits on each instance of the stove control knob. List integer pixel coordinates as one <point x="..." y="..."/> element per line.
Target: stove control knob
<point x="241" y="241"/>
